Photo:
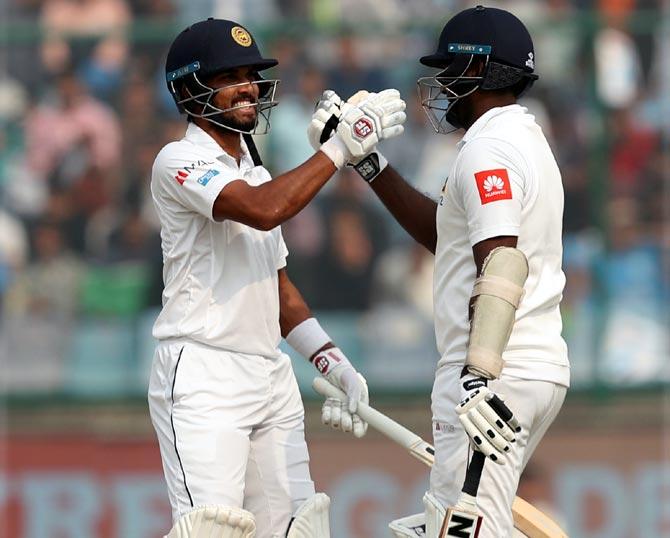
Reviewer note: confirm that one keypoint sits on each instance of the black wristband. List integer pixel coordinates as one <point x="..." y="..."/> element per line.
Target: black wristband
<point x="369" y="167"/>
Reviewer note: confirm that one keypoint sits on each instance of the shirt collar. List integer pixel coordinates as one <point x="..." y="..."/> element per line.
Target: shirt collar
<point x="199" y="137"/>
<point x="479" y="125"/>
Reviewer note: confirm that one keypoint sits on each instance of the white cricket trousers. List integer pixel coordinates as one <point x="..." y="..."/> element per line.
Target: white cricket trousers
<point x="534" y="403"/>
<point x="231" y="432"/>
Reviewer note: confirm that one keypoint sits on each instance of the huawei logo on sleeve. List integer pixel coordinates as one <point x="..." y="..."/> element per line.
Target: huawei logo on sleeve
<point x="493" y="185"/>
<point x="493" y="182"/>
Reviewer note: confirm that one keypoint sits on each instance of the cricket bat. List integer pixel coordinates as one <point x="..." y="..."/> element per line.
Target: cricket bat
<point x="527" y="519"/>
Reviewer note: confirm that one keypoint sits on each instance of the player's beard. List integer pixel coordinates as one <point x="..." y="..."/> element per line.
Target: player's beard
<point x="460" y="113"/>
<point x="230" y="120"/>
<point x="453" y="115"/>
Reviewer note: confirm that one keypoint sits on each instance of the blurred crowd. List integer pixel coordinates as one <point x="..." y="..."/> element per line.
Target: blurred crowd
<point x="84" y="111"/>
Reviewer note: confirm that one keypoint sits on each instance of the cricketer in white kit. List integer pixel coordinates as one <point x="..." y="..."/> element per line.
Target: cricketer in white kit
<point x="496" y="235"/>
<point x="223" y="398"/>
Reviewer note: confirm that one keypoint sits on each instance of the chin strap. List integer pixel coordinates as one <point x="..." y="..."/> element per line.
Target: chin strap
<point x="253" y="151"/>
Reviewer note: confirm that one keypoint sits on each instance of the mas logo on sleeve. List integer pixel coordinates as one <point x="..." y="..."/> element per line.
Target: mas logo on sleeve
<point x="182" y="175"/>
<point x="493" y="185"/>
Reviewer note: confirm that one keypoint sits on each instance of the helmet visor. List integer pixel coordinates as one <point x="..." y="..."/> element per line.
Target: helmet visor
<point x="440" y="93"/>
<point x="198" y="102"/>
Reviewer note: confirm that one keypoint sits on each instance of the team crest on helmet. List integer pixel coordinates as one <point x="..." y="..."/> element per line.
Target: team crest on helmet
<point x="241" y="36"/>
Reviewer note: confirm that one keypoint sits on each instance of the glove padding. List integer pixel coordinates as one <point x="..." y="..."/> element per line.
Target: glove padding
<point x="379" y="116"/>
<point x="336" y="368"/>
<point x="364" y="120"/>
<point x="327" y="110"/>
<point x="489" y="423"/>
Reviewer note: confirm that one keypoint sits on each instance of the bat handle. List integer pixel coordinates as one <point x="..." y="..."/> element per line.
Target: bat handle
<point x="474" y="474"/>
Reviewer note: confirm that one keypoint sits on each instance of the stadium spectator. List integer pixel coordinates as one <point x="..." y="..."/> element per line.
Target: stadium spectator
<point x="74" y="130"/>
<point x="355" y="236"/>
<point x="91" y="30"/>
<point x="349" y="73"/>
<point x="49" y="287"/>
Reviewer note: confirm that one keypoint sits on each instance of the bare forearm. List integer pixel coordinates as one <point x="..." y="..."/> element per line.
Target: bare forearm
<point x="414" y="211"/>
<point x="274" y="202"/>
<point x="293" y="309"/>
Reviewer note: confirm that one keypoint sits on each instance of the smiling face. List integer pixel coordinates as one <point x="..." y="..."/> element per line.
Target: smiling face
<point x="238" y="95"/>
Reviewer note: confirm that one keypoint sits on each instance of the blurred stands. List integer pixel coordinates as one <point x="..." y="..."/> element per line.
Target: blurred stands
<point x="84" y="112"/>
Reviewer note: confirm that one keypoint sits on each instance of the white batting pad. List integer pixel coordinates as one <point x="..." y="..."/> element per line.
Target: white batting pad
<point x="413" y="526"/>
<point x="434" y="513"/>
<point x="215" y="522"/>
<point x="311" y="519"/>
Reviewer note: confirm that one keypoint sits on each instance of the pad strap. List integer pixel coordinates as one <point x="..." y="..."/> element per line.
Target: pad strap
<point x="498" y="287"/>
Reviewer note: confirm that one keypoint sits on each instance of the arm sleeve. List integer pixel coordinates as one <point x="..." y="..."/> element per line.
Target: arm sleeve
<point x="491" y="183"/>
<point x="194" y="182"/>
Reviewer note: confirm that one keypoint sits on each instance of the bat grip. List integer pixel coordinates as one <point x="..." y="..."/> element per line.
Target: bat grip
<point x="474" y="473"/>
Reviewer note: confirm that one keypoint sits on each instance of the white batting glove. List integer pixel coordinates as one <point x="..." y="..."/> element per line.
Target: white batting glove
<point x="336" y="368"/>
<point x="359" y="124"/>
<point x="489" y="423"/>
<point x="327" y="107"/>
<point x="376" y="117"/>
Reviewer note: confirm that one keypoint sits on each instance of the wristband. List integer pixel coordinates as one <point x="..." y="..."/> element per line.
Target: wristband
<point x="308" y="337"/>
<point x="336" y="150"/>
<point x="370" y="166"/>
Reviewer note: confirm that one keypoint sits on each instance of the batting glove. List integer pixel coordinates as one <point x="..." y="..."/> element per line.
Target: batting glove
<point x="489" y="423"/>
<point x="378" y="116"/>
<point x="360" y="123"/>
<point x="326" y="112"/>
<point x="336" y="368"/>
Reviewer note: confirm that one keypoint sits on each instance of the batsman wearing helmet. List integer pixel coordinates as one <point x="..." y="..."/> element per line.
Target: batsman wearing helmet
<point x="496" y="235"/>
<point x="223" y="398"/>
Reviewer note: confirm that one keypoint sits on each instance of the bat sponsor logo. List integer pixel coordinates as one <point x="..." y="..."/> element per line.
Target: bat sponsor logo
<point x="461" y="524"/>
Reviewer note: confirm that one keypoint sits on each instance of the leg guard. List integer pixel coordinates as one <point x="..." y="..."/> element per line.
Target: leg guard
<point x="311" y="519"/>
<point x="413" y="526"/>
<point x="498" y="292"/>
<point x="435" y="514"/>
<point x="215" y="522"/>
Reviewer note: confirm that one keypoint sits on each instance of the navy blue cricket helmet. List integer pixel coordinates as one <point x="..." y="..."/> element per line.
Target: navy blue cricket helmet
<point x="209" y="47"/>
<point x="494" y="35"/>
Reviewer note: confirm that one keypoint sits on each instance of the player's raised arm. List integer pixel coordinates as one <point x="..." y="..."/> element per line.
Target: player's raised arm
<point x="268" y="205"/>
<point x="304" y="333"/>
<point x="225" y="97"/>
<point x="414" y="211"/>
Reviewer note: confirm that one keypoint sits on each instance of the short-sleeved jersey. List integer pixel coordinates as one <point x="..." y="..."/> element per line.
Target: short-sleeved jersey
<point x="221" y="284"/>
<point x="504" y="182"/>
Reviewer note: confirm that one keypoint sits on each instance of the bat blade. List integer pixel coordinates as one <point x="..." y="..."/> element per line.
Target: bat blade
<point x="533" y="522"/>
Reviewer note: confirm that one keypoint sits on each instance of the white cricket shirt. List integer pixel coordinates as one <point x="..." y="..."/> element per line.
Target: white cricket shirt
<point x="504" y="181"/>
<point x="221" y="285"/>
